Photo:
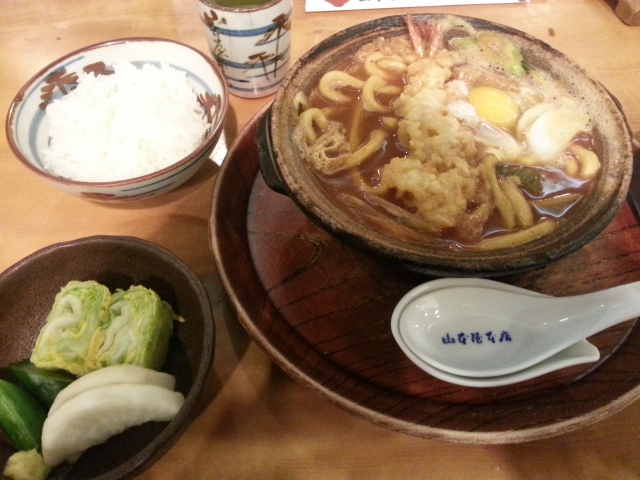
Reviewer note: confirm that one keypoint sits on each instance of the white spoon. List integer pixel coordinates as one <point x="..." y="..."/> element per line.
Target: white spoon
<point x="482" y="328"/>
<point x="576" y="354"/>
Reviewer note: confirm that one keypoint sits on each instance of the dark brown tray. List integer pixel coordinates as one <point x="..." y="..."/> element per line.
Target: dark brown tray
<point x="322" y="311"/>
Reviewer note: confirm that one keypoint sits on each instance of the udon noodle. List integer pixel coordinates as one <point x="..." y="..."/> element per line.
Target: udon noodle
<point x="447" y="136"/>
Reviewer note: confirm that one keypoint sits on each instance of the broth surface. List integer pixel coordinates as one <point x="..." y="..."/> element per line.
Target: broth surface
<point x="457" y="147"/>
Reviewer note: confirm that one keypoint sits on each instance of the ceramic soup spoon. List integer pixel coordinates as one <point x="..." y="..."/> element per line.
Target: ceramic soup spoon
<point x="576" y="354"/>
<point x="482" y="328"/>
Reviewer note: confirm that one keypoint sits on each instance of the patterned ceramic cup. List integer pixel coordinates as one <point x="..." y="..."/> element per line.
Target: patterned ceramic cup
<point x="251" y="44"/>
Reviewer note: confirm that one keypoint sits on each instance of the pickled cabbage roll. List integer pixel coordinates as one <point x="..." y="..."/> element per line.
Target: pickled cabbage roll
<point x="136" y="331"/>
<point x="64" y="341"/>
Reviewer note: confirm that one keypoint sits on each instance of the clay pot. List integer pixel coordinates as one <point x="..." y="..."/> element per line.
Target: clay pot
<point x="287" y="172"/>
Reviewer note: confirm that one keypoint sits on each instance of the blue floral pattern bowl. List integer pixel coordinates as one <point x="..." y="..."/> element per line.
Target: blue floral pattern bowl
<point x="27" y="123"/>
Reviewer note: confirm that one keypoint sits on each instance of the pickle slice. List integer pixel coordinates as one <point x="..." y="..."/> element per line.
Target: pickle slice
<point x="21" y="416"/>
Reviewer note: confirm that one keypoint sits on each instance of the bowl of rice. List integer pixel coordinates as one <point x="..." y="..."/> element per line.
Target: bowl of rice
<point x="120" y="120"/>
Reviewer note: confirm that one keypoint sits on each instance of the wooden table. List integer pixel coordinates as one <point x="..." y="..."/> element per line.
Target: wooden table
<point x="255" y="422"/>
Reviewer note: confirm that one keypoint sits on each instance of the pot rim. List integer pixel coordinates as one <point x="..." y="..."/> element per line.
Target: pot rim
<point x="601" y="206"/>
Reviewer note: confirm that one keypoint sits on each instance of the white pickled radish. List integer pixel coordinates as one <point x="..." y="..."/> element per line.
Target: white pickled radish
<point x="552" y="131"/>
<point x="124" y="373"/>
<point x="95" y="415"/>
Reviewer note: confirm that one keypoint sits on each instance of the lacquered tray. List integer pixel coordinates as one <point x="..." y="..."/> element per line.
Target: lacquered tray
<point x="321" y="310"/>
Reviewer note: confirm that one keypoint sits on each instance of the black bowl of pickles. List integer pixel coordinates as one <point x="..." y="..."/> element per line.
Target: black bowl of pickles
<point x="90" y="331"/>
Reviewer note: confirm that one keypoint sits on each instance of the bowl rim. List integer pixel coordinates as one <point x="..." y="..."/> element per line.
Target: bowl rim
<point x="263" y="6"/>
<point x="303" y="189"/>
<point x="170" y="433"/>
<point x="200" y="150"/>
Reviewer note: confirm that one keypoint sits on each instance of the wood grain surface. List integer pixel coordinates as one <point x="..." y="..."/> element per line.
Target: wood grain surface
<point x="323" y="310"/>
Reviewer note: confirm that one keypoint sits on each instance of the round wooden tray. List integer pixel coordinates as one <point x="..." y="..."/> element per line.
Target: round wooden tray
<point x="322" y="310"/>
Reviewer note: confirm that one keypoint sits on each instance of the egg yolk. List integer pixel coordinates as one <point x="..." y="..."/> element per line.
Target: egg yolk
<point x="494" y="105"/>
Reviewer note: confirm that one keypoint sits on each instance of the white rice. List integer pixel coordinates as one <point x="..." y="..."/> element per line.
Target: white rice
<point x="131" y="123"/>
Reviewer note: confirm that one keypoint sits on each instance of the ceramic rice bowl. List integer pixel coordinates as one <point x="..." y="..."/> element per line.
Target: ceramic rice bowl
<point x="27" y="123"/>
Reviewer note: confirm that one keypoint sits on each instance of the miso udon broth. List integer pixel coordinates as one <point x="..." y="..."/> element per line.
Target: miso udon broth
<point x="446" y="136"/>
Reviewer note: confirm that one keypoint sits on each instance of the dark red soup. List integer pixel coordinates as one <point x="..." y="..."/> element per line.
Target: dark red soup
<point x="446" y="150"/>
